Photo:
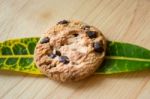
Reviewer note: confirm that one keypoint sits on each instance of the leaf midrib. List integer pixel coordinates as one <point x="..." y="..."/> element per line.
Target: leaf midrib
<point x="127" y="58"/>
<point x="107" y="57"/>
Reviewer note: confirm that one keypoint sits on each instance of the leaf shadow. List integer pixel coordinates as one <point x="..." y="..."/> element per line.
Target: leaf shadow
<point x="89" y="83"/>
<point x="6" y="73"/>
<point x="129" y="75"/>
<point x="97" y="80"/>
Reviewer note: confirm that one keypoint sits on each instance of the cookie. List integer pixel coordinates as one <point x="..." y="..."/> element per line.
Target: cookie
<point x="70" y="51"/>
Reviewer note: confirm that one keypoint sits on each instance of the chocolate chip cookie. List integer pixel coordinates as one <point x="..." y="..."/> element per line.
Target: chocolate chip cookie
<point x="70" y="51"/>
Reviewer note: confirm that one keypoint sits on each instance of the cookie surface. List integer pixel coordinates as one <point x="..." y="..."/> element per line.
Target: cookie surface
<point x="70" y="51"/>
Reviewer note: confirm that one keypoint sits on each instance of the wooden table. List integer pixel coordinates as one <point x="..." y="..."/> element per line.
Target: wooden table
<point x="123" y="20"/>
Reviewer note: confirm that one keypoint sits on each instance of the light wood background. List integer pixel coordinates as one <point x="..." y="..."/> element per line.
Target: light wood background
<point x="123" y="20"/>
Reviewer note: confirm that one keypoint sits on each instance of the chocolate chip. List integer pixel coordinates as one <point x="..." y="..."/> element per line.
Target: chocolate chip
<point x="44" y="40"/>
<point x="52" y="55"/>
<point x="85" y="27"/>
<point x="58" y="53"/>
<point x="63" y="22"/>
<point x="75" y="35"/>
<point x="91" y="34"/>
<point x="64" y="59"/>
<point x="98" y="47"/>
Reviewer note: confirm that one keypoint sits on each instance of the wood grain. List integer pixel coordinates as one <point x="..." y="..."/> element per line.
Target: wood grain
<point x="123" y="20"/>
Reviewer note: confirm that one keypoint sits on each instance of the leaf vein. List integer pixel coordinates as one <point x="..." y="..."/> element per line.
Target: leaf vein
<point x="127" y="58"/>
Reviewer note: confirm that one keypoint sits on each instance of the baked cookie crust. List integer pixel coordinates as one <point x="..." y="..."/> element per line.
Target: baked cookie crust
<point x="70" y="51"/>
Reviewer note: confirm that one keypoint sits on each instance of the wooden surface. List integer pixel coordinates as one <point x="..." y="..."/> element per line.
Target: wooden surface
<point x="123" y="20"/>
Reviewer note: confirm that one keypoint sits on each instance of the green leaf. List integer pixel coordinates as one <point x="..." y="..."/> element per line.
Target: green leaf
<point x="124" y="57"/>
<point x="17" y="55"/>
